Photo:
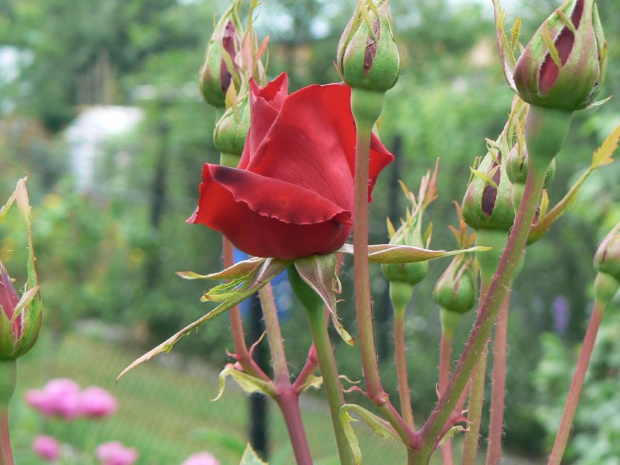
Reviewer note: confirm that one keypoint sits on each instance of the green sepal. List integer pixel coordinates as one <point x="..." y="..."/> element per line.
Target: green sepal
<point x="390" y="253"/>
<point x="231" y="296"/>
<point x="607" y="257"/>
<point x="315" y="282"/>
<point x="379" y="427"/>
<point x="251" y="458"/>
<point x="238" y="270"/>
<point x="247" y="382"/>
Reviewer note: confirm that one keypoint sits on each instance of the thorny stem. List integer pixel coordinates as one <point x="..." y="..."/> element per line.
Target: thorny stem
<point x="488" y="265"/>
<point x="366" y="107"/>
<point x="445" y="364"/>
<point x="486" y="316"/>
<point x="331" y="381"/>
<point x="288" y="398"/>
<point x="575" y="389"/>
<point x="498" y="391"/>
<point x="311" y="365"/>
<point x="8" y="378"/>
<point x="364" y="123"/>
<point x="236" y="325"/>
<point x="401" y="367"/>
<point x="474" y="409"/>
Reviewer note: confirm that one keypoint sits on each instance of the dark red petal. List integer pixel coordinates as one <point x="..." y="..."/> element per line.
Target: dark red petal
<point x="380" y="157"/>
<point x="312" y="144"/>
<point x="269" y="218"/>
<point x="265" y="105"/>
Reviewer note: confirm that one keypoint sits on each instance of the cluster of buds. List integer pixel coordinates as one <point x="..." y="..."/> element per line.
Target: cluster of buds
<point x="233" y="58"/>
<point x="367" y="54"/>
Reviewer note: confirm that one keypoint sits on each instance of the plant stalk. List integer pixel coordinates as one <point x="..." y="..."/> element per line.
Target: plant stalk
<point x="575" y="389"/>
<point x="487" y="314"/>
<point x="236" y="325"/>
<point x="8" y="379"/>
<point x="401" y="367"/>
<point x="331" y="381"/>
<point x="445" y="364"/>
<point x="498" y="391"/>
<point x="288" y="398"/>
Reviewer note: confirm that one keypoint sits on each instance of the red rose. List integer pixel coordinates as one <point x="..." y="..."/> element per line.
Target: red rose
<point x="292" y="194"/>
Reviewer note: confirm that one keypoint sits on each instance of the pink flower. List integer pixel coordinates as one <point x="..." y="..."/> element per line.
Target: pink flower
<point x="46" y="447"/>
<point x="97" y="402"/>
<point x="201" y="458"/>
<point x="115" y="453"/>
<point x="60" y="397"/>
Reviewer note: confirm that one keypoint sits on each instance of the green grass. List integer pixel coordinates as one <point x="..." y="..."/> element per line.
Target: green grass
<point x="165" y="412"/>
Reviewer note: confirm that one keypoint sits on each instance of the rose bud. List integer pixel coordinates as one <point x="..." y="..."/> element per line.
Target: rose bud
<point x="564" y="64"/>
<point x="607" y="257"/>
<point x="18" y="331"/>
<point x="516" y="167"/>
<point x="487" y="203"/>
<point x="456" y="289"/>
<point x="232" y="129"/>
<point x="217" y="72"/>
<point x="367" y="54"/>
<point x="607" y="263"/>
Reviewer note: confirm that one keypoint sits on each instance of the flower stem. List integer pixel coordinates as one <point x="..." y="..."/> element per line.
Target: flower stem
<point x="489" y="263"/>
<point x="8" y="379"/>
<point x="366" y="107"/>
<point x="445" y="364"/>
<point x="236" y="324"/>
<point x="401" y="367"/>
<point x="498" y="391"/>
<point x="331" y="381"/>
<point x="578" y="378"/>
<point x="288" y="398"/>
<point x="486" y="316"/>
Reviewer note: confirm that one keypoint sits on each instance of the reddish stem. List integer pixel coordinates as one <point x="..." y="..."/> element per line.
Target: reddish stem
<point x="474" y="410"/>
<point x="6" y="455"/>
<point x="401" y="368"/>
<point x="498" y="392"/>
<point x="242" y="354"/>
<point x="575" y="389"/>
<point x="310" y="367"/>
<point x="445" y="363"/>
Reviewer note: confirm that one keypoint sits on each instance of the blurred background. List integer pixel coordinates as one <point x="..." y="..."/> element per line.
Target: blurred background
<point x="99" y="105"/>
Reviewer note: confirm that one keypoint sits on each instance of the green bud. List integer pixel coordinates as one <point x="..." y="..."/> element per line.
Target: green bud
<point x="217" y="72"/>
<point x="367" y="54"/>
<point x="232" y="128"/>
<point x="563" y="65"/>
<point x="487" y="203"/>
<point x="516" y="167"/>
<point x="607" y="257"/>
<point x="456" y="289"/>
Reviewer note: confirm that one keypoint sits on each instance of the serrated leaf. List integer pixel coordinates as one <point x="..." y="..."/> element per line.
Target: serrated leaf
<point x="238" y="270"/>
<point x="250" y="457"/>
<point x="553" y="51"/>
<point x="603" y="155"/>
<point x="515" y="32"/>
<point x="319" y="272"/>
<point x="354" y="443"/>
<point x="248" y="383"/>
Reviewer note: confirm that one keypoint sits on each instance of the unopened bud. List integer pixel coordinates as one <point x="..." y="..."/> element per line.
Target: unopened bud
<point x="367" y="54"/>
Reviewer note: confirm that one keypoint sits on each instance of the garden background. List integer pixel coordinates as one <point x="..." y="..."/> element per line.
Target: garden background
<point x="99" y="105"/>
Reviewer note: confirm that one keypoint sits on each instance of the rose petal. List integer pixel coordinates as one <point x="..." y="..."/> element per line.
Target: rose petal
<point x="265" y="105"/>
<point x="267" y="217"/>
